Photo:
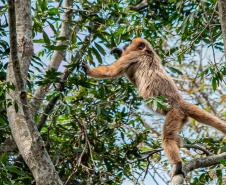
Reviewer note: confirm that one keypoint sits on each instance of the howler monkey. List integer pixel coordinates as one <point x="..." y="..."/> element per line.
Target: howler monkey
<point x="140" y="63"/>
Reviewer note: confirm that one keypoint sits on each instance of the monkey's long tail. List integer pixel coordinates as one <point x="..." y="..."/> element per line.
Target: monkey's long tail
<point x="203" y="116"/>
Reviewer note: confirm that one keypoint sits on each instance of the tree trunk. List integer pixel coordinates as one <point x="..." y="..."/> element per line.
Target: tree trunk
<point x="24" y="131"/>
<point x="222" y="11"/>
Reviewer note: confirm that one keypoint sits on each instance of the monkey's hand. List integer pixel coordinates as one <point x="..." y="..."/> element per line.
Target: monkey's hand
<point x="86" y="68"/>
<point x="116" y="51"/>
<point x="178" y="169"/>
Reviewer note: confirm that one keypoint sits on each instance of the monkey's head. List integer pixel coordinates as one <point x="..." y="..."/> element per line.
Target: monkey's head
<point x="135" y="45"/>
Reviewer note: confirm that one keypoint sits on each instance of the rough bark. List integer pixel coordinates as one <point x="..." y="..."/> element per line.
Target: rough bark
<point x="58" y="55"/>
<point x="198" y="163"/>
<point x="24" y="131"/>
<point x="24" y="35"/>
<point x="222" y="11"/>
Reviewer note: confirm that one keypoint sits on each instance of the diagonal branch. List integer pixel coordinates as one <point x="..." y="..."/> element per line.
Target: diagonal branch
<point x="58" y="55"/>
<point x="49" y="107"/>
<point x="204" y="162"/>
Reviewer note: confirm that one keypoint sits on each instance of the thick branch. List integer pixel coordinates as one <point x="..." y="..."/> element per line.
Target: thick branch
<point x="198" y="163"/>
<point x="204" y="162"/>
<point x="13" y="46"/>
<point x="222" y="11"/>
<point x="58" y="55"/>
<point x="19" y="81"/>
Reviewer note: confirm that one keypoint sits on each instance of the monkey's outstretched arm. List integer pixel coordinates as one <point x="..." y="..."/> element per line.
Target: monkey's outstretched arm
<point x="115" y="69"/>
<point x="104" y="71"/>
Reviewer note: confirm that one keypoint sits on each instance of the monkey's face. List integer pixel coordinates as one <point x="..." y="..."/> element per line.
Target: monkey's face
<point x="137" y="44"/>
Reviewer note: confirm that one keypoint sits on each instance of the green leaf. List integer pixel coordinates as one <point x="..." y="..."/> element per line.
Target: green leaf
<point x="2" y="120"/>
<point x="158" y="102"/>
<point x="52" y="27"/>
<point x="14" y="169"/>
<point x="73" y="37"/>
<point x="61" y="47"/>
<point x="223" y="161"/>
<point x="175" y="70"/>
<point x="46" y="38"/>
<point x="38" y="41"/>
<point x="53" y="11"/>
<point x="100" y="49"/>
<point x="214" y="83"/>
<point x="61" y="38"/>
<point x="43" y="4"/>
<point x="97" y="55"/>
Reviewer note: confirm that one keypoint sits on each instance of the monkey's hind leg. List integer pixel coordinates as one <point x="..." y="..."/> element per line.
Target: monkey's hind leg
<point x="175" y="120"/>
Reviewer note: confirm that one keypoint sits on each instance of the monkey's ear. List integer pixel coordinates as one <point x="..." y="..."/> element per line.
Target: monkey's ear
<point x="141" y="46"/>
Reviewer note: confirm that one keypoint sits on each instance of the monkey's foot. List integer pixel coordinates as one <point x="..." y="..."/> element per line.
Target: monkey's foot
<point x="178" y="169"/>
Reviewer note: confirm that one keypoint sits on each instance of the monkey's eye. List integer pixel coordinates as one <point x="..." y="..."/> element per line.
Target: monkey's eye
<point x="141" y="45"/>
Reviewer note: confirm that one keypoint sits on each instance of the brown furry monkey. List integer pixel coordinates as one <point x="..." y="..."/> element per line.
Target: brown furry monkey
<point x="142" y="66"/>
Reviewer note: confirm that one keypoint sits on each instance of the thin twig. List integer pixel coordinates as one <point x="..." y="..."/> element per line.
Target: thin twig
<point x="198" y="147"/>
